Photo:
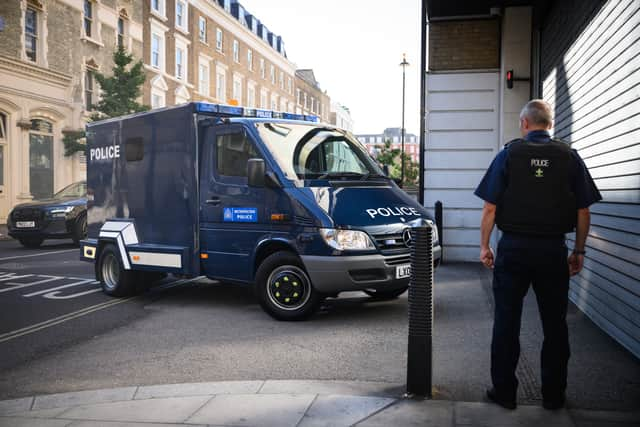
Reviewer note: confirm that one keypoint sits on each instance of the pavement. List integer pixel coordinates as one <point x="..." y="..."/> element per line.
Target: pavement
<point x="281" y="403"/>
<point x="4" y="232"/>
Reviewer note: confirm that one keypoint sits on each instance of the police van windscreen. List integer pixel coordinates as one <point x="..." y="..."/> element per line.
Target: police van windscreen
<point x="306" y="152"/>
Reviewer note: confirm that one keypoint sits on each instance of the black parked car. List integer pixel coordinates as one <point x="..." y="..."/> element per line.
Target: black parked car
<point x="61" y="217"/>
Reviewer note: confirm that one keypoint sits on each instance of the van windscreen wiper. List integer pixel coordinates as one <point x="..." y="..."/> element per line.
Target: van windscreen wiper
<point x="342" y="175"/>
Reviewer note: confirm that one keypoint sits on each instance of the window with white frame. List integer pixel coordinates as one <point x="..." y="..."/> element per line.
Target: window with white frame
<point x="251" y="96"/>
<point x="221" y="85"/>
<point x="262" y="68"/>
<point x="203" y="77"/>
<point x="182" y="17"/>
<point x="121" y="31"/>
<point x="202" y="29"/>
<point x="236" y="51"/>
<point x="273" y="74"/>
<point x="157" y="98"/>
<point x="283" y="104"/>
<point x="31" y="34"/>
<point x="313" y="104"/>
<point x="289" y="86"/>
<point x="237" y="89"/>
<point x="88" y="21"/>
<point x="274" y="101"/>
<point x="219" y="39"/>
<point x="263" y="99"/>
<point x="181" y="60"/>
<point x="157" y="51"/>
<point x="304" y="96"/>
<point x="298" y="96"/>
<point x="157" y="6"/>
<point x="88" y="90"/>
<point x="281" y="80"/>
<point x="250" y="59"/>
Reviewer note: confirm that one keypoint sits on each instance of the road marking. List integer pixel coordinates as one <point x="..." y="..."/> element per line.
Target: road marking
<point x="39" y="254"/>
<point x="15" y="286"/>
<point x="15" y="277"/>
<point x="81" y="282"/>
<point x="82" y="312"/>
<point x="54" y="295"/>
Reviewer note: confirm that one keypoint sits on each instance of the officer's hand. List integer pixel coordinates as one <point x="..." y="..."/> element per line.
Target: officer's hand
<point x="576" y="262"/>
<point x="486" y="257"/>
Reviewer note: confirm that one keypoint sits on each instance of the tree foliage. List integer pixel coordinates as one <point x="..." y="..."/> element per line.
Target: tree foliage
<point x="119" y="95"/>
<point x="391" y="157"/>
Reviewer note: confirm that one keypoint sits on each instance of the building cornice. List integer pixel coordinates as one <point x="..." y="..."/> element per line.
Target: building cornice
<point x="230" y="23"/>
<point x="21" y="68"/>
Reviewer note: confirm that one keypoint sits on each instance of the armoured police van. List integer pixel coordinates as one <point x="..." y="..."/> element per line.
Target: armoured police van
<point x="295" y="208"/>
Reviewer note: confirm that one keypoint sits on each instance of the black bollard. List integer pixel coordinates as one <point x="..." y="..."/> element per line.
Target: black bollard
<point x="439" y="222"/>
<point x="419" y="370"/>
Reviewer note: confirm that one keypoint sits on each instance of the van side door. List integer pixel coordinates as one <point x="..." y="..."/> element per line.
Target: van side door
<point x="233" y="214"/>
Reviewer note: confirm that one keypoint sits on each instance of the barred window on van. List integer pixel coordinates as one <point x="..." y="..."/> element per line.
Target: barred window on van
<point x="134" y="149"/>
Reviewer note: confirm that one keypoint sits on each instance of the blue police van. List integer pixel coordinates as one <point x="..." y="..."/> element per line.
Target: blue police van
<point x="293" y="207"/>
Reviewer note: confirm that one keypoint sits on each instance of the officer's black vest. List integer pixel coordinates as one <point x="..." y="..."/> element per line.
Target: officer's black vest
<point x="538" y="199"/>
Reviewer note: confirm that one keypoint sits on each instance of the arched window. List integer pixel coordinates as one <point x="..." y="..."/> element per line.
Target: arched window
<point x="41" y="159"/>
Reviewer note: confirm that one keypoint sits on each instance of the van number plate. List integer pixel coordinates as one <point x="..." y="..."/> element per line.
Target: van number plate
<point x="403" y="271"/>
<point x="25" y="224"/>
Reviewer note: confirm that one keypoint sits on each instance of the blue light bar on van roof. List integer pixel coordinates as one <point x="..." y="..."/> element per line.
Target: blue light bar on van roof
<point x="233" y="111"/>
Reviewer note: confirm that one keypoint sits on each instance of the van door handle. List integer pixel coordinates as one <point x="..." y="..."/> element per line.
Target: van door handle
<point x="215" y="201"/>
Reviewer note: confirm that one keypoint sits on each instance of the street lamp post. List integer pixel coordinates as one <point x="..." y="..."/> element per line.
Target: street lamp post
<point x="403" y="64"/>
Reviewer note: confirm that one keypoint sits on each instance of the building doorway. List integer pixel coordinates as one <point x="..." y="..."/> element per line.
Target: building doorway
<point x="41" y="159"/>
<point x="4" y="169"/>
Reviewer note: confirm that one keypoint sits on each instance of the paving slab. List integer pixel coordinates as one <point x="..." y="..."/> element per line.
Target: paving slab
<point x="264" y="410"/>
<point x="43" y="413"/>
<point x="198" y="389"/>
<point x="582" y="417"/>
<point x="169" y="410"/>
<point x="76" y="398"/>
<point x="339" y="410"/>
<point x="478" y="414"/>
<point x="31" y="422"/>
<point x="413" y="413"/>
<point x="15" y="405"/>
<point x="357" y="388"/>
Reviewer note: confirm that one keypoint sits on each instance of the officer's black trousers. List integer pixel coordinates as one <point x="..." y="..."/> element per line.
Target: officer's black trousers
<point x="547" y="271"/>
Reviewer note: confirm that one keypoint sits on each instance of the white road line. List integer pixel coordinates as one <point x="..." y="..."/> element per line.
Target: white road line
<point x="53" y="295"/>
<point x="39" y="254"/>
<point x="68" y="285"/>
<point x="15" y="286"/>
<point x="82" y="312"/>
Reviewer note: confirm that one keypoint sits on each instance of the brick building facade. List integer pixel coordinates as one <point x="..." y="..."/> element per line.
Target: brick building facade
<point x="375" y="142"/>
<point x="213" y="51"/>
<point x="310" y="99"/>
<point x="48" y="52"/>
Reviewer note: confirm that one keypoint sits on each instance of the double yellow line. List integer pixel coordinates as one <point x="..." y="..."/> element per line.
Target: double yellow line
<point x="83" y="312"/>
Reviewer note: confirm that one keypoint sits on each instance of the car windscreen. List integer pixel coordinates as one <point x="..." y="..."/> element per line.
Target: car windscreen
<point x="77" y="189"/>
<point x="306" y="152"/>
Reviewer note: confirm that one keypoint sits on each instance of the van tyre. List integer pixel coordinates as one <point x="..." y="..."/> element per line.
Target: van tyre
<point x="284" y="289"/>
<point x="386" y="295"/>
<point x="31" y="242"/>
<point x="115" y="280"/>
<point x="80" y="229"/>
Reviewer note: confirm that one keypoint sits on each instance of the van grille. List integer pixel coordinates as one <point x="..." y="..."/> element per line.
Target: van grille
<point x="398" y="260"/>
<point x="27" y="214"/>
<point x="303" y="221"/>
<point x="391" y="243"/>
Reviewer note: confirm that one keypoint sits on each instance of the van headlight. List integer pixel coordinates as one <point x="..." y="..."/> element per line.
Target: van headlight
<point x="436" y="238"/>
<point x="346" y="240"/>
<point x="60" y="212"/>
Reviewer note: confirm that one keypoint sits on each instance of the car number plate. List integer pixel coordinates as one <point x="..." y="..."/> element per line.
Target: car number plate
<point x="403" y="271"/>
<point x="25" y="224"/>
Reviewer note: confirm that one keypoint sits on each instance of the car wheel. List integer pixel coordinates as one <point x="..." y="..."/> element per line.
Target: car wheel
<point x="284" y="289"/>
<point x="386" y="295"/>
<point x="31" y="242"/>
<point x="115" y="280"/>
<point x="80" y="229"/>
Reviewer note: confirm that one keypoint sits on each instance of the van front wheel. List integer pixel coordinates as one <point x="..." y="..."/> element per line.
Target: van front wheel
<point x="284" y="289"/>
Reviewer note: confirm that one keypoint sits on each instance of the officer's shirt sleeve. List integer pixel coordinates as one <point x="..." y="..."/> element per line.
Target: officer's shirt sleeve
<point x="583" y="186"/>
<point x="494" y="182"/>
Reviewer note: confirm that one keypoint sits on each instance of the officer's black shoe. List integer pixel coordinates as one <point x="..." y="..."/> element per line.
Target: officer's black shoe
<point x="507" y="404"/>
<point x="554" y="404"/>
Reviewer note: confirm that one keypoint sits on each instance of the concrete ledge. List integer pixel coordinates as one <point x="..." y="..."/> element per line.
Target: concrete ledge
<point x="358" y="388"/>
<point x="198" y="389"/>
<point x="76" y="398"/>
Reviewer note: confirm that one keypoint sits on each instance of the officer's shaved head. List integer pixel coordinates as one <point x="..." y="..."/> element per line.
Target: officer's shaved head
<point x="538" y="113"/>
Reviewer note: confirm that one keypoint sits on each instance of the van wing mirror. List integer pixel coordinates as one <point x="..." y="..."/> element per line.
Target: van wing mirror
<point x="256" y="172"/>
<point x="385" y="170"/>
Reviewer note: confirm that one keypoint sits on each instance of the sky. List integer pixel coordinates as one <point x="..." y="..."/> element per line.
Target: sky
<point x="354" y="48"/>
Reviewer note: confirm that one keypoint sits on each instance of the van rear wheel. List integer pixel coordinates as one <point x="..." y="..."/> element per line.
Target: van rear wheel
<point x="115" y="280"/>
<point x="284" y="288"/>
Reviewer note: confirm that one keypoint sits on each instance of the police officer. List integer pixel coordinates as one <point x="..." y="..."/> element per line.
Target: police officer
<point x="536" y="190"/>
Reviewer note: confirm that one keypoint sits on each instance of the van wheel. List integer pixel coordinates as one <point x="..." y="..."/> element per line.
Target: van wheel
<point x="115" y="280"/>
<point x="284" y="289"/>
<point x="31" y="242"/>
<point x="386" y="295"/>
<point x="80" y="229"/>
